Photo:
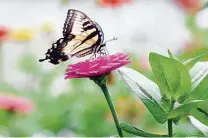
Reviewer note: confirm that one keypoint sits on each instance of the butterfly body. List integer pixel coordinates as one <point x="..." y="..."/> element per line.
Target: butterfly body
<point x="81" y="37"/>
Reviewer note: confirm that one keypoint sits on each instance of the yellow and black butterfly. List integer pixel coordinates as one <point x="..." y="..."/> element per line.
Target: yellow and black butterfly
<point x="81" y="37"/>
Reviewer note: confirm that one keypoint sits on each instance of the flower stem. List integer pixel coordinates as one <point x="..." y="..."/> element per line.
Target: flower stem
<point x="113" y="112"/>
<point x="170" y="128"/>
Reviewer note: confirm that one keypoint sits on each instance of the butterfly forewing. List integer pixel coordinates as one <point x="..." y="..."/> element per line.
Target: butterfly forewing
<point x="88" y="34"/>
<point x="75" y="23"/>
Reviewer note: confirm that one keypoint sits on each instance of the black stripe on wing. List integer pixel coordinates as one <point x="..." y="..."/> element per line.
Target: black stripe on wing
<point x="100" y="37"/>
<point x="90" y="36"/>
<point x="68" y="25"/>
<point x="88" y="28"/>
<point x="84" y="52"/>
<point x="75" y="17"/>
<point x="86" y="23"/>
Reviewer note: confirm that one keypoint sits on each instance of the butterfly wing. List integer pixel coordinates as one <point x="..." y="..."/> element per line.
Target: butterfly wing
<point x="73" y="22"/>
<point x="88" y="34"/>
<point x="81" y="37"/>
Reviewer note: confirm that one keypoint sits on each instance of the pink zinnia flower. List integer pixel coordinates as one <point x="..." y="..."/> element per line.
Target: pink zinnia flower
<point x="98" y="67"/>
<point x="13" y="103"/>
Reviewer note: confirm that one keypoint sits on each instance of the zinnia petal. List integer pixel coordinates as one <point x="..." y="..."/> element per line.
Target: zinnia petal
<point x="100" y="66"/>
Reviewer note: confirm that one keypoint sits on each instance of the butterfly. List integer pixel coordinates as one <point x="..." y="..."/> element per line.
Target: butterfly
<point x="81" y="37"/>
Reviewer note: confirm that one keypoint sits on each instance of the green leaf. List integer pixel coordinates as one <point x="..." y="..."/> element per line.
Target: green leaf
<point x="171" y="76"/>
<point x="200" y="115"/>
<point x="146" y="90"/>
<point x="199" y="75"/>
<point x="198" y="123"/>
<point x="170" y="54"/>
<point x="138" y="132"/>
<point x="201" y="91"/>
<point x="186" y="109"/>
<point x="190" y="63"/>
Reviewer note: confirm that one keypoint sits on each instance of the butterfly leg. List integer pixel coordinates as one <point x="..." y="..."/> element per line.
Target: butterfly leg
<point x="106" y="50"/>
<point x="93" y="57"/>
<point x="103" y="52"/>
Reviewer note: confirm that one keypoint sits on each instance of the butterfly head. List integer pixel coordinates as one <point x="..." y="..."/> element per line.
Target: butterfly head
<point x="54" y="54"/>
<point x="103" y="44"/>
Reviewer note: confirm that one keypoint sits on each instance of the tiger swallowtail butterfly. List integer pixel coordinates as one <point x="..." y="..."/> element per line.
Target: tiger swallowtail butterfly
<point x="81" y="37"/>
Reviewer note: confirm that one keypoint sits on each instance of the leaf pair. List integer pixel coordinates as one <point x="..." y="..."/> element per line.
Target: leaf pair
<point x="174" y="83"/>
<point x="171" y="76"/>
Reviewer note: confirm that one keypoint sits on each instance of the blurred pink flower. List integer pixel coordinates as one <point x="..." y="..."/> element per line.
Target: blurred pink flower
<point x="144" y="62"/>
<point x="190" y="6"/>
<point x="4" y="31"/>
<point x="113" y="3"/>
<point x="100" y="66"/>
<point x="15" y="103"/>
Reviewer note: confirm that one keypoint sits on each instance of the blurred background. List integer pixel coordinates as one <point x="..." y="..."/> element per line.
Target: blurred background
<point x="51" y="106"/>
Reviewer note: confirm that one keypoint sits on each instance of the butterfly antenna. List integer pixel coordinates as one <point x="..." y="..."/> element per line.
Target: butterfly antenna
<point x="115" y="38"/>
<point x="41" y="60"/>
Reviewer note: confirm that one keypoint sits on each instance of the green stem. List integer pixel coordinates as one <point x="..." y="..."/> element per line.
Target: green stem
<point x="113" y="112"/>
<point x="170" y="128"/>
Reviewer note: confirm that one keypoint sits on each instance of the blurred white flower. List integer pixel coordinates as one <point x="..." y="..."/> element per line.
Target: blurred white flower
<point x="202" y="18"/>
<point x="66" y="133"/>
<point x="43" y="133"/>
<point x="153" y="26"/>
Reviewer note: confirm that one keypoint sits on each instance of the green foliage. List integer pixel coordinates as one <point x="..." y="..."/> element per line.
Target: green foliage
<point x="200" y="115"/>
<point x="170" y="54"/>
<point x="185" y="109"/>
<point x="199" y="75"/>
<point x="201" y="90"/>
<point x="191" y="62"/>
<point x="138" y="83"/>
<point x="138" y="132"/>
<point x="194" y="54"/>
<point x="156" y="110"/>
<point x="176" y="83"/>
<point x="171" y="77"/>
